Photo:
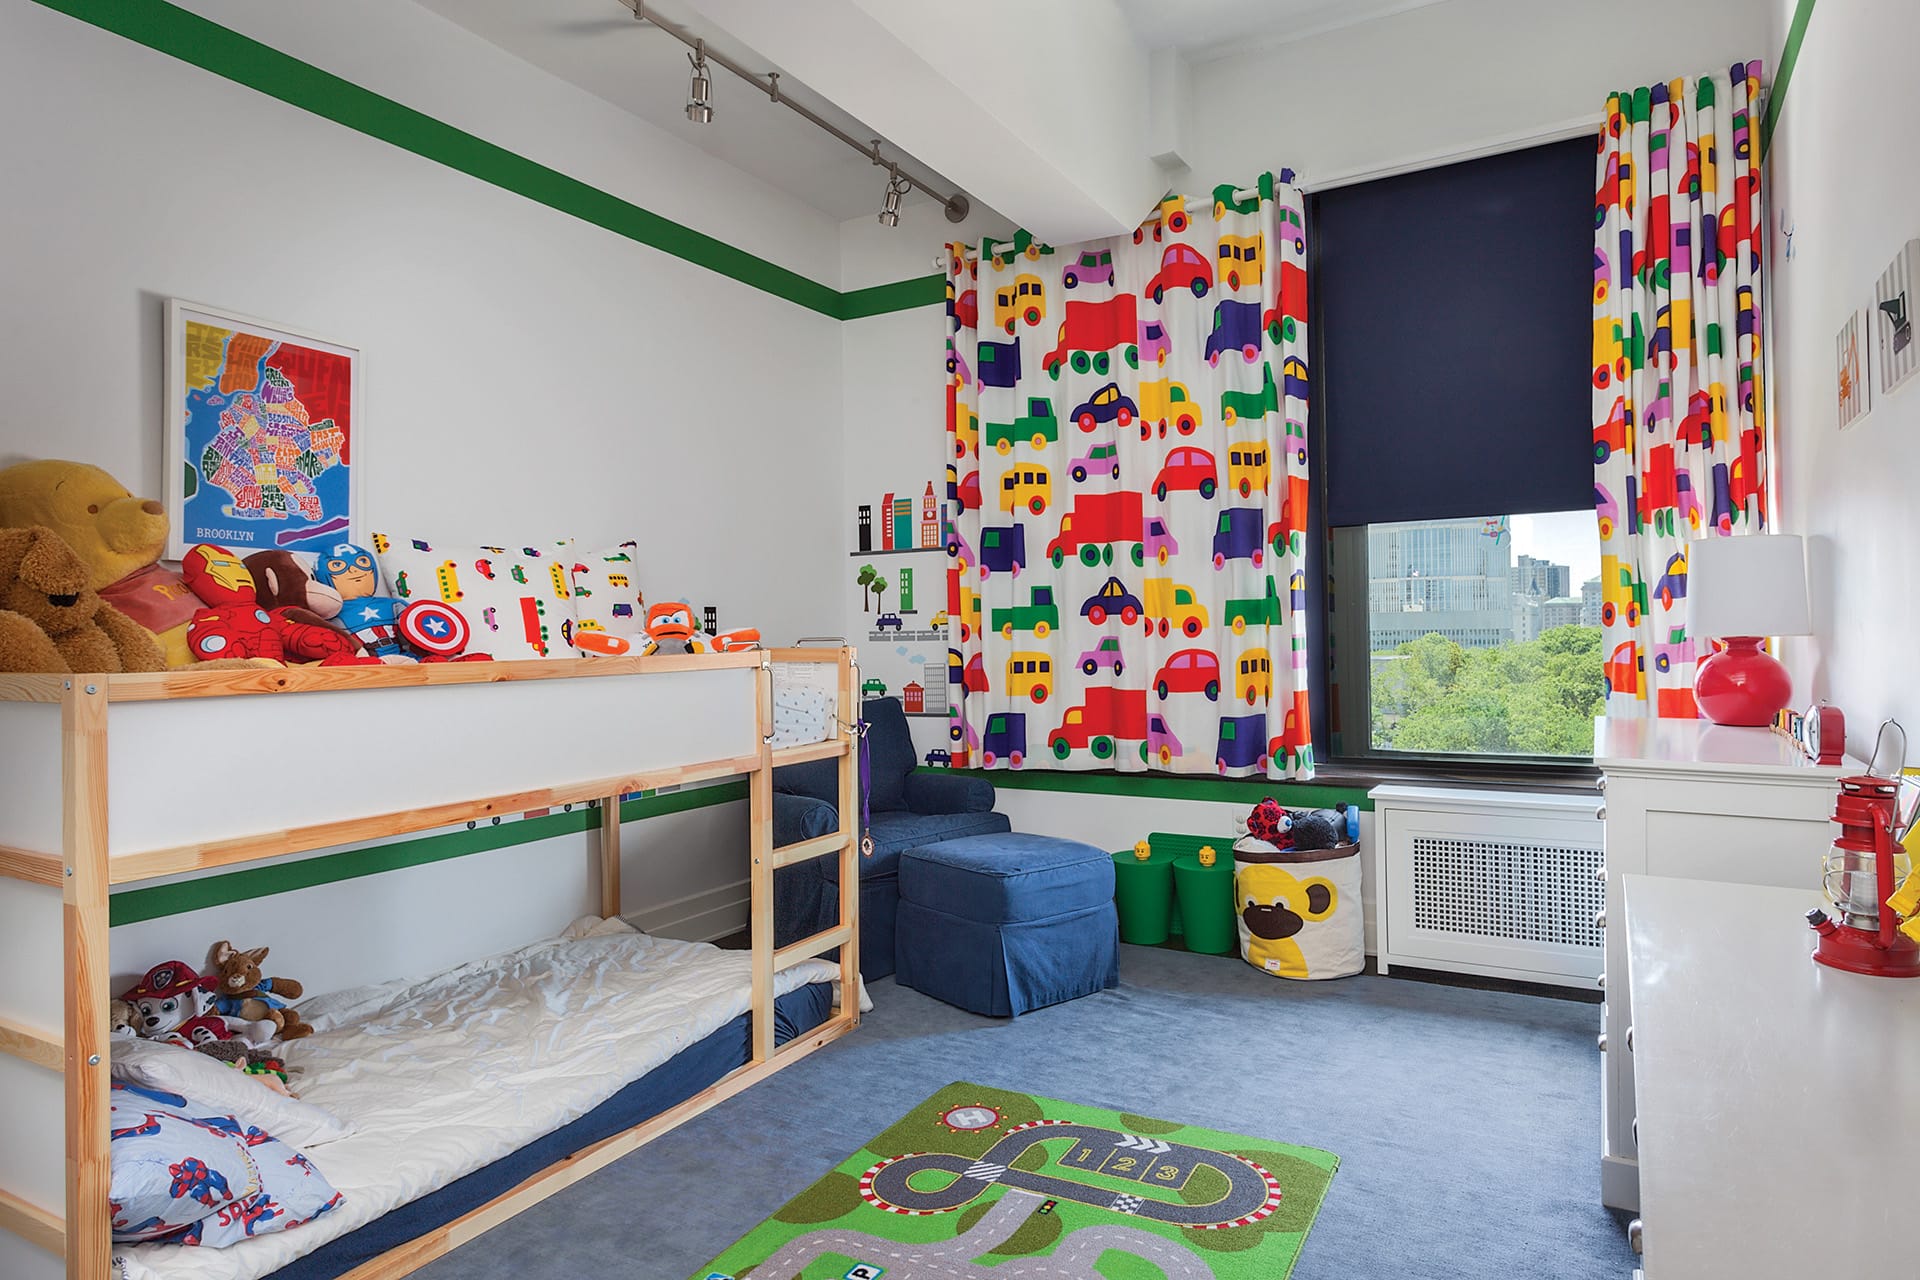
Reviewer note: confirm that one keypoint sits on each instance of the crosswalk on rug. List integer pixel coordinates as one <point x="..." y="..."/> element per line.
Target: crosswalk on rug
<point x="987" y="1184"/>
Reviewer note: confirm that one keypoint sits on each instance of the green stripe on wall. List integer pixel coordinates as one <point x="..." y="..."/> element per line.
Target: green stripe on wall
<point x="1783" y="74"/>
<point x="135" y="905"/>
<point x="193" y="39"/>
<point x="900" y="296"/>
<point x="1248" y="791"/>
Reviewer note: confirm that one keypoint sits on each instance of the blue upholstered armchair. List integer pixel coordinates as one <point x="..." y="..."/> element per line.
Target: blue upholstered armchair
<point x="905" y="810"/>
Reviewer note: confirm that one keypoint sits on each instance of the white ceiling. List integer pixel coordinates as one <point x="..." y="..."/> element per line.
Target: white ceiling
<point x="597" y="45"/>
<point x="1204" y="30"/>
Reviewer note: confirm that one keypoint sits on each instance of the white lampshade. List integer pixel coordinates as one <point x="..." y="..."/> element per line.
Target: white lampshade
<point x="1754" y="585"/>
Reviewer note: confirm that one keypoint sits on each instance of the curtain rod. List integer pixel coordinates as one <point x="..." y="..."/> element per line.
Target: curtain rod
<point x="1197" y="202"/>
<point x="957" y="206"/>
<point x="1562" y="131"/>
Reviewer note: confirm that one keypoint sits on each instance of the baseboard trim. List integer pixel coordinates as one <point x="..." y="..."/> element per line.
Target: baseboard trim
<point x="1490" y="982"/>
<point x="699" y="917"/>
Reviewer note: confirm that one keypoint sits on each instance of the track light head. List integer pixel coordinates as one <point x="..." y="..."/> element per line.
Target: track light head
<point x="897" y="186"/>
<point x="700" y="88"/>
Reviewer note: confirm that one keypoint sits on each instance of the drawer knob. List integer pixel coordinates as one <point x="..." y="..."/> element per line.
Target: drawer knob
<point x="1599" y="919"/>
<point x="1603" y="1042"/>
<point x="1629" y="1037"/>
<point x="1600" y="784"/>
<point x="1601" y="982"/>
<point x="1600" y="814"/>
<point x="1600" y="873"/>
<point x="1634" y="1233"/>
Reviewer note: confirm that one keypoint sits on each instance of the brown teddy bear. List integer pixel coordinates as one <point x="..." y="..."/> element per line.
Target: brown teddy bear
<point x="240" y="992"/>
<point x="51" y="618"/>
<point x="117" y="534"/>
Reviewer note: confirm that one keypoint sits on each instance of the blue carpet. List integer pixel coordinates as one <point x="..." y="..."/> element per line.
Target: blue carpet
<point x="1467" y="1122"/>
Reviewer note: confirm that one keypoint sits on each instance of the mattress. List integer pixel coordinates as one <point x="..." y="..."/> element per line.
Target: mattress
<point x="445" y="1076"/>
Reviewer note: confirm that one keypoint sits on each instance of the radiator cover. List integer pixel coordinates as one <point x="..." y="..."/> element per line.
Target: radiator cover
<point x="1502" y="884"/>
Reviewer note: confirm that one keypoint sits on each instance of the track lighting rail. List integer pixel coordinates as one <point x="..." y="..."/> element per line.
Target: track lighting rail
<point x="956" y="204"/>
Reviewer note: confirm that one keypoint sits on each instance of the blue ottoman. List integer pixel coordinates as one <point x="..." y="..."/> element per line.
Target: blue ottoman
<point x="1001" y="924"/>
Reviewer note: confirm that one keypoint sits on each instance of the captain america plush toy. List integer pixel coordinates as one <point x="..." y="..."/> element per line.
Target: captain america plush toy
<point x="373" y="618"/>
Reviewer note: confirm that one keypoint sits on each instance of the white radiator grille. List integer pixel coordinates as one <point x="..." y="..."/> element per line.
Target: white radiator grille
<point x="1524" y="892"/>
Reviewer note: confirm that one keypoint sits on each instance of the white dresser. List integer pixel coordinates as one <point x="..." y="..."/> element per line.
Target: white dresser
<point x="1778" y="1104"/>
<point x="1704" y="802"/>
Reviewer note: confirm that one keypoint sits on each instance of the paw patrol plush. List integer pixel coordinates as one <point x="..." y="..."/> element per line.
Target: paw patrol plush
<point x="172" y="1004"/>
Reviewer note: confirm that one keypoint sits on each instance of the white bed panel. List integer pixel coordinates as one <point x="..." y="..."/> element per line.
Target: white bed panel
<point x="22" y="1261"/>
<point x="33" y="1152"/>
<point x="201" y="769"/>
<point x="32" y="944"/>
<point x="30" y="776"/>
<point x="404" y="923"/>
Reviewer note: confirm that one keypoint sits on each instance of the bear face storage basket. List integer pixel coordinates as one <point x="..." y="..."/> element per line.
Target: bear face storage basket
<point x="1298" y="910"/>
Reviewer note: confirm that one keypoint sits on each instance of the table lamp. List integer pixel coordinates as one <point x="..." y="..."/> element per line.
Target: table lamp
<point x="1741" y="590"/>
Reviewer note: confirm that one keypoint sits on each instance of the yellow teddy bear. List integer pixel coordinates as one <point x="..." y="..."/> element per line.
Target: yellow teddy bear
<point x="118" y="535"/>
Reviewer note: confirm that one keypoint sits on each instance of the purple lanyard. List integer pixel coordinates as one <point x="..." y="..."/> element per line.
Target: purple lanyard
<point x="866" y="778"/>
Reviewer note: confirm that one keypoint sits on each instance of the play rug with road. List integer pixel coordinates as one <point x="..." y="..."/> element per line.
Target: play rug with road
<point x="984" y="1184"/>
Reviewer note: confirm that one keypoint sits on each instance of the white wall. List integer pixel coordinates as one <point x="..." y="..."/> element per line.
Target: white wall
<point x="1845" y="174"/>
<point x="528" y="376"/>
<point x="1447" y="79"/>
<point x="487" y="321"/>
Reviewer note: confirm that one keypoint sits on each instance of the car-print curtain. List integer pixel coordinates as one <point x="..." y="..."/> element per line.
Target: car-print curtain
<point x="1679" y="417"/>
<point x="1128" y="489"/>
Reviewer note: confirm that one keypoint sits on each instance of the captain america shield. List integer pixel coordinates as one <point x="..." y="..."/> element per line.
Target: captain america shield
<point x="435" y="628"/>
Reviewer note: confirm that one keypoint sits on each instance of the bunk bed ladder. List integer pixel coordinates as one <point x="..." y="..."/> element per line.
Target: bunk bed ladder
<point x="767" y="858"/>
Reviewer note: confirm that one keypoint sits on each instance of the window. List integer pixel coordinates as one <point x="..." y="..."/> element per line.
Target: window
<point x="1476" y="635"/>
<point x="1452" y="394"/>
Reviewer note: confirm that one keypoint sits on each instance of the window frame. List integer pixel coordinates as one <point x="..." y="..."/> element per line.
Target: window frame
<point x="1330" y="629"/>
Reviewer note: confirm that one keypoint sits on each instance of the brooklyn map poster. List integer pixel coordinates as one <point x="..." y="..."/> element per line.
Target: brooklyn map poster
<point x="263" y="434"/>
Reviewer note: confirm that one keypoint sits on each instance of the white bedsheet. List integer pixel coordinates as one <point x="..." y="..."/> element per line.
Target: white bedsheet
<point x="442" y="1076"/>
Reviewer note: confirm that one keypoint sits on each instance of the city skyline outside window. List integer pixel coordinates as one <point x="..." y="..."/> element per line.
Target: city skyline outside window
<point x="1484" y="635"/>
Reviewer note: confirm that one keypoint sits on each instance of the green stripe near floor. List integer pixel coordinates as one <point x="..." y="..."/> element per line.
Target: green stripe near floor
<point x="1247" y="791"/>
<point x="193" y="39"/>
<point x="134" y="905"/>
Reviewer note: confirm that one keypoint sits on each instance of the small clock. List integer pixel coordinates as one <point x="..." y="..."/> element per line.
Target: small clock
<point x="1823" y="734"/>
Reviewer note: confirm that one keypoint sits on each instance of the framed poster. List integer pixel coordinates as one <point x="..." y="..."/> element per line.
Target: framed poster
<point x="1852" y="348"/>
<point x="262" y="434"/>
<point x="1896" y="356"/>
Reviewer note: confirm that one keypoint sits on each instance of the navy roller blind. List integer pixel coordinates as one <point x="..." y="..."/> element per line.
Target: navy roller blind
<point x="1454" y="313"/>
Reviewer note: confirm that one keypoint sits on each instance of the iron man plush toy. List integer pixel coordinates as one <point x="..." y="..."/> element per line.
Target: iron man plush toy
<point x="233" y="625"/>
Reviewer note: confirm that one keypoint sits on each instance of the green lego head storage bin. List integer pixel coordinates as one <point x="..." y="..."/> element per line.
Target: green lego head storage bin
<point x="1298" y="911"/>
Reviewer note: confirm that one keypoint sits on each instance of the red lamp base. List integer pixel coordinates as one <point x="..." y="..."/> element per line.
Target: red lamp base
<point x="1745" y="685"/>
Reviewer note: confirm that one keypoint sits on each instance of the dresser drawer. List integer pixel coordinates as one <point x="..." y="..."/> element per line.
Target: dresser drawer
<point x="1736" y="849"/>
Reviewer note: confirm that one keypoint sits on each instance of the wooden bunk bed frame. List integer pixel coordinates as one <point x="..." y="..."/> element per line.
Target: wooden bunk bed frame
<point x="85" y="870"/>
